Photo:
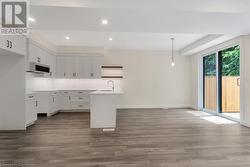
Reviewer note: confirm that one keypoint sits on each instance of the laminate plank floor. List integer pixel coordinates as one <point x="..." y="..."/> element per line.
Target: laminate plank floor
<point x="144" y="137"/>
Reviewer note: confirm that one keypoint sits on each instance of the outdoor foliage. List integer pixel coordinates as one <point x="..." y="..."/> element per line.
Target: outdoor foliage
<point x="210" y="65"/>
<point x="230" y="62"/>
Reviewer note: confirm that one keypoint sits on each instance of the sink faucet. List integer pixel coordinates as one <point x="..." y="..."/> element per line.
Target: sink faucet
<point x="113" y="84"/>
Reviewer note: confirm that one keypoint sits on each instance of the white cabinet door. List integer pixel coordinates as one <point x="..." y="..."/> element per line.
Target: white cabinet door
<point x="79" y="66"/>
<point x="31" y="109"/>
<point x="69" y="67"/>
<point x="77" y="69"/>
<point x="97" y="62"/>
<point x="92" y="66"/>
<point x="65" y="67"/>
<point x="60" y="70"/>
<point x="86" y="67"/>
<point x="14" y="43"/>
<point x="35" y="53"/>
<point x="52" y="65"/>
<point x="65" y="99"/>
<point x="51" y="61"/>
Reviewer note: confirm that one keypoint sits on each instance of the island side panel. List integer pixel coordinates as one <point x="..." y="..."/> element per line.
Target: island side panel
<point x="103" y="111"/>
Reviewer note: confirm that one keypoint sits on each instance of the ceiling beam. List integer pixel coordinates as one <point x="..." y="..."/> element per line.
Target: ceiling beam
<point x="193" y="47"/>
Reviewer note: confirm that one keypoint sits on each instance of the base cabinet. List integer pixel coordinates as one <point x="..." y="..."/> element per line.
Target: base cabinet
<point x="31" y="109"/>
<point x="48" y="102"/>
<point x="75" y="100"/>
<point x="65" y="98"/>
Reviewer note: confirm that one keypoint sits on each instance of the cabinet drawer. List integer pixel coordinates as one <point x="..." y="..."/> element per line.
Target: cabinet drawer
<point x="30" y="97"/>
<point x="80" y="98"/>
<point x="80" y="105"/>
<point x="54" y="93"/>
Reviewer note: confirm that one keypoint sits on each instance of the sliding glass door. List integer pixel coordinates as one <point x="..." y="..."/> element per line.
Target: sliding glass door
<point x="229" y="82"/>
<point x="210" y="83"/>
<point x="221" y="82"/>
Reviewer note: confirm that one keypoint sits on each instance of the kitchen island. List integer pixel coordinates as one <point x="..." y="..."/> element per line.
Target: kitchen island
<point x="103" y="108"/>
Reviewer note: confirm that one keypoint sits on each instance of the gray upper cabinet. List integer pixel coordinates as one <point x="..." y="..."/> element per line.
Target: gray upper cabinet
<point x="79" y="67"/>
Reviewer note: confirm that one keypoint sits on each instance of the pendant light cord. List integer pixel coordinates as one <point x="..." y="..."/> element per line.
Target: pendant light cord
<point x="172" y="50"/>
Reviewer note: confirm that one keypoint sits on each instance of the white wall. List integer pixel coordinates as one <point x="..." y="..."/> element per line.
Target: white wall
<point x="12" y="88"/>
<point x="245" y="80"/>
<point x="195" y="83"/>
<point x="150" y="81"/>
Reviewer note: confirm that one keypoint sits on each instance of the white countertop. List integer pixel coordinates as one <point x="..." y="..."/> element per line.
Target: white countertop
<point x="106" y="92"/>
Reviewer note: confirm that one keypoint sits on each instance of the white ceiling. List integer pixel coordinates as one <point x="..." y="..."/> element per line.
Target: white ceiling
<point x="121" y="40"/>
<point x="138" y="24"/>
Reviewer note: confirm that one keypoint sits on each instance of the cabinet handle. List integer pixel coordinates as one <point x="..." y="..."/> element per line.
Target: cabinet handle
<point x="38" y="59"/>
<point x="53" y="99"/>
<point x="31" y="96"/>
<point x="92" y="74"/>
<point x="64" y="74"/>
<point x="36" y="103"/>
<point x="69" y="98"/>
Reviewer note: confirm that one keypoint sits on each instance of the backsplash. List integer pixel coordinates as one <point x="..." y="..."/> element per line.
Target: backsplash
<point x="40" y="84"/>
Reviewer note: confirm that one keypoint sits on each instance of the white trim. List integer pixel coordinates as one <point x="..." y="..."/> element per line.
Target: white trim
<point x="48" y="50"/>
<point x="245" y="124"/>
<point x="242" y="78"/>
<point x="222" y="46"/>
<point x="221" y="115"/>
<point x="215" y="50"/>
<point x="151" y="106"/>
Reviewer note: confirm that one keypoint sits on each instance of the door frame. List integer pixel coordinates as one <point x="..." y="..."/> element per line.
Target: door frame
<point x="216" y="51"/>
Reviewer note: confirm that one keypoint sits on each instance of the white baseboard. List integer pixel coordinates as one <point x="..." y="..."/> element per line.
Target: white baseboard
<point x="77" y="110"/>
<point x="150" y="106"/>
<point x="245" y="124"/>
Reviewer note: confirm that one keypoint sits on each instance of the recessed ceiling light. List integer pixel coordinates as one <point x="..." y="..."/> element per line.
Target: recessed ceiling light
<point x="111" y="39"/>
<point x="105" y="22"/>
<point x="31" y="19"/>
<point x="67" y="37"/>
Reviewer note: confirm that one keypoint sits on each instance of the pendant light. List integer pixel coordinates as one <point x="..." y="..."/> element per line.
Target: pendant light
<point x="172" y="63"/>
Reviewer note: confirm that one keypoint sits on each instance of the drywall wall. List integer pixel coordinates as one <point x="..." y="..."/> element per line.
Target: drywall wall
<point x="195" y="72"/>
<point x="150" y="81"/>
<point x="12" y="88"/>
<point x="245" y="80"/>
